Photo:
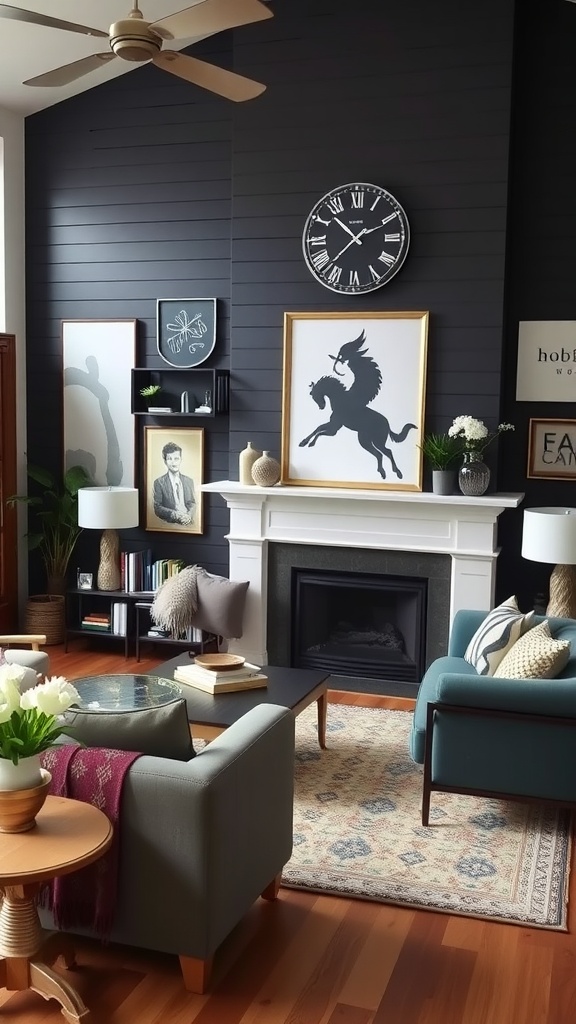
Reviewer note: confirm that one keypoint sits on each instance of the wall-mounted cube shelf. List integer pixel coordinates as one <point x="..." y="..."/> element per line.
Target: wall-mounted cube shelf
<point x="202" y="387"/>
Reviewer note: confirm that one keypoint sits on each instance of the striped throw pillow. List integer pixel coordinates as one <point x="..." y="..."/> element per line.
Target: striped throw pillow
<point x="499" y="631"/>
<point x="537" y="655"/>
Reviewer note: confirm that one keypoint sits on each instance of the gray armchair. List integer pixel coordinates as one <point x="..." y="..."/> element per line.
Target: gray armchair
<point x="24" y="649"/>
<point x="200" y="840"/>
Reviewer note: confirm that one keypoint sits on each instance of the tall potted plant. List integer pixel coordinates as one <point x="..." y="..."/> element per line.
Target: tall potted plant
<point x="54" y="533"/>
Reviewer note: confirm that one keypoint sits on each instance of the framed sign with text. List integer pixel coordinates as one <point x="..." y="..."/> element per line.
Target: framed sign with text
<point x="546" y="369"/>
<point x="552" y="449"/>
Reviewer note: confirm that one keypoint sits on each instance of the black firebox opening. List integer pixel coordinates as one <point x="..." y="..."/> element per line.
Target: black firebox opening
<point x="359" y="624"/>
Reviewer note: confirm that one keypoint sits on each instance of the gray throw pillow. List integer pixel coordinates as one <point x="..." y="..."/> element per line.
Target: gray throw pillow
<point x="220" y="604"/>
<point x="161" y="732"/>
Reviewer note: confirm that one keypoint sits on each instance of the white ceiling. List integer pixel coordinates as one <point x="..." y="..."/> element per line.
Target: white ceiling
<point x="28" y="50"/>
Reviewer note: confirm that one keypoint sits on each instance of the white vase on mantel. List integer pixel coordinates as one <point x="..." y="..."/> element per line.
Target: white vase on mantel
<point x="246" y="460"/>
<point x="24" y="775"/>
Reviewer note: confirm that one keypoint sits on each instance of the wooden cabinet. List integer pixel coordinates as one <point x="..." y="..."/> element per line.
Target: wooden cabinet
<point x="202" y="387"/>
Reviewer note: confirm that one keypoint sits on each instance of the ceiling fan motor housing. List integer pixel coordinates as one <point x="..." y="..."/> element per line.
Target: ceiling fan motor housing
<point x="132" y="40"/>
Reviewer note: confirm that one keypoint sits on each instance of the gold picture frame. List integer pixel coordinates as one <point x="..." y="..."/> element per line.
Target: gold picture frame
<point x="551" y="449"/>
<point x="356" y="382"/>
<point x="173" y="501"/>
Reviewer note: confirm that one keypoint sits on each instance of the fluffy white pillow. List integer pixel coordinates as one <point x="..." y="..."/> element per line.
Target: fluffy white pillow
<point x="537" y="655"/>
<point x="496" y="635"/>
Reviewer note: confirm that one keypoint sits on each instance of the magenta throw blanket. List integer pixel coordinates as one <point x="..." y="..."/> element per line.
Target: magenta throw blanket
<point x="87" y="897"/>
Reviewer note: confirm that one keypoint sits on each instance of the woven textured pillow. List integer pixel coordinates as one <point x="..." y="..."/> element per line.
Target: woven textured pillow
<point x="537" y="655"/>
<point x="496" y="635"/>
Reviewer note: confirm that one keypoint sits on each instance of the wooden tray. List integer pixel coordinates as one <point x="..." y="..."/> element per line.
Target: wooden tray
<point x="219" y="662"/>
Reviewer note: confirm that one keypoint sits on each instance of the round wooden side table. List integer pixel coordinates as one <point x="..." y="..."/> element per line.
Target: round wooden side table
<point x="68" y="835"/>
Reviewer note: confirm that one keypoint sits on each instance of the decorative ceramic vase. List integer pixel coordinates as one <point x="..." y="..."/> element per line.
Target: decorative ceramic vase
<point x="443" y="481"/>
<point x="23" y="775"/>
<point x="473" y="475"/>
<point x="266" y="471"/>
<point x="246" y="460"/>
<point x="23" y="790"/>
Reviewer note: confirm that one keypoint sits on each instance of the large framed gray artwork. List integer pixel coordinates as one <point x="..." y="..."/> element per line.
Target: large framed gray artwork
<point x="353" y="399"/>
<point x="98" y="357"/>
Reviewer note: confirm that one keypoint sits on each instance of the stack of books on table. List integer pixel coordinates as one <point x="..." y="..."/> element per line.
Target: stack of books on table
<point x="249" y="677"/>
<point x="99" y="623"/>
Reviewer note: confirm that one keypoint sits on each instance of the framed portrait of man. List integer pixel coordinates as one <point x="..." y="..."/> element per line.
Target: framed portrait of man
<point x="173" y="473"/>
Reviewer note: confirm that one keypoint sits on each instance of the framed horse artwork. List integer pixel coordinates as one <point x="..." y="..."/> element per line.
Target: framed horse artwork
<point x="353" y="399"/>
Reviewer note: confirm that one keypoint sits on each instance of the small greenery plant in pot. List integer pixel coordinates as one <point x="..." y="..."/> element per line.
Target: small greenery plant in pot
<point x="441" y="452"/>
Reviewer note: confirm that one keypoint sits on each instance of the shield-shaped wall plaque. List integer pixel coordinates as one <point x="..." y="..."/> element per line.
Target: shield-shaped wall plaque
<point x="186" y="330"/>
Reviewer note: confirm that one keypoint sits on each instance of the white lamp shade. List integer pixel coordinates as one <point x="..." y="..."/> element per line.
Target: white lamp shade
<point x="549" y="535"/>
<point x="107" y="508"/>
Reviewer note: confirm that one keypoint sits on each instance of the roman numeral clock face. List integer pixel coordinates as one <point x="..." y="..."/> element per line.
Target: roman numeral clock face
<point x="356" y="238"/>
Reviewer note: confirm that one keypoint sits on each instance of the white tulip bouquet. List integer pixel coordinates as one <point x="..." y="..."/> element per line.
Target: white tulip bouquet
<point x="29" y="721"/>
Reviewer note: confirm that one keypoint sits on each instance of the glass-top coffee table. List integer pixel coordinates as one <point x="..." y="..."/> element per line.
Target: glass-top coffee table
<point x="125" y="692"/>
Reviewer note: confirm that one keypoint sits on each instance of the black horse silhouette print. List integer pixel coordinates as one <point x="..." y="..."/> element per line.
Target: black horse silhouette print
<point x="350" y="405"/>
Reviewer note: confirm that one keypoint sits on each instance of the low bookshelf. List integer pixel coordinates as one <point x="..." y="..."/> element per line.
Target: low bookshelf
<point x="121" y="616"/>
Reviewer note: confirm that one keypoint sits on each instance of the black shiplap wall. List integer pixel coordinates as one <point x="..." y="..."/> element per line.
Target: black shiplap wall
<point x="541" y="267"/>
<point x="145" y="188"/>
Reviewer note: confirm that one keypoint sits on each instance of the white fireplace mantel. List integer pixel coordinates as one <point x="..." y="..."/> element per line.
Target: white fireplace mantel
<point x="464" y="528"/>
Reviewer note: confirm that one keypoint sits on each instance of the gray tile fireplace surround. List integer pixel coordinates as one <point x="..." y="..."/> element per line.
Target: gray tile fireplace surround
<point x="433" y="567"/>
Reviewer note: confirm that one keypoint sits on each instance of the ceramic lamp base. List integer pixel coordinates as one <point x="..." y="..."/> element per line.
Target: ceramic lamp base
<point x="109" y="568"/>
<point x="562" y="601"/>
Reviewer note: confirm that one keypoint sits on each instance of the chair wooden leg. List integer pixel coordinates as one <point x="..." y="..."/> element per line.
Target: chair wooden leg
<point x="272" y="889"/>
<point x="196" y="973"/>
<point x="427" y="780"/>
<point x="426" y="804"/>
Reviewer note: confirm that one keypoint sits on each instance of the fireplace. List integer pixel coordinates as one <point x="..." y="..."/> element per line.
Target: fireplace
<point x="422" y="580"/>
<point x="359" y="624"/>
<point x="388" y="525"/>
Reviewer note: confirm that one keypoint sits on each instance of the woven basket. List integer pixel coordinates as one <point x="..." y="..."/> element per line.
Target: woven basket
<point x="45" y="614"/>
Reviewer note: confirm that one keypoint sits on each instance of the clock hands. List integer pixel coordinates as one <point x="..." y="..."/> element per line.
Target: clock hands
<point x="355" y="238"/>
<point x="346" y="228"/>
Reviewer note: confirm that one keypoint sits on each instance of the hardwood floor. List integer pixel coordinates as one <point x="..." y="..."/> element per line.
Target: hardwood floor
<point x="309" y="959"/>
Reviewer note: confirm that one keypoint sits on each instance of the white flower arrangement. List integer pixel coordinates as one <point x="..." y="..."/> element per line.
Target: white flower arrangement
<point x="475" y="433"/>
<point x="29" y="721"/>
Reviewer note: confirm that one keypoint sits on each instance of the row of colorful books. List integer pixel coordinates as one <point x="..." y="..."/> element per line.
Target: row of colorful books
<point x="139" y="574"/>
<point x="115" y="621"/>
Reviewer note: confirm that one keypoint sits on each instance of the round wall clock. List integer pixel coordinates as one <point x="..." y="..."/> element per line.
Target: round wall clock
<point x="356" y="238"/>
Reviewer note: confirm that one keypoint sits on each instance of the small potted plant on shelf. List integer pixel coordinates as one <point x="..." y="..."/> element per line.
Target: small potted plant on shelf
<point x="151" y="392"/>
<point x="441" y="452"/>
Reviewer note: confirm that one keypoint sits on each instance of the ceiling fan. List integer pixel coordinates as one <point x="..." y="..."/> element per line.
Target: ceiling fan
<point x="139" y="41"/>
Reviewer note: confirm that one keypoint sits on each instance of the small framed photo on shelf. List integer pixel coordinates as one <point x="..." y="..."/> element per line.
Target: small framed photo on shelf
<point x="84" y="580"/>
<point x="552" y="449"/>
<point x="173" y="473"/>
<point x="186" y="330"/>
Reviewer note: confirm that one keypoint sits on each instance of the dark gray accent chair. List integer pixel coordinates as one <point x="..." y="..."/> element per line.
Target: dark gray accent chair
<point x="201" y="840"/>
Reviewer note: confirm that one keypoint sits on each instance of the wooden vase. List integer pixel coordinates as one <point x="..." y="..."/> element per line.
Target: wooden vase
<point x="19" y="807"/>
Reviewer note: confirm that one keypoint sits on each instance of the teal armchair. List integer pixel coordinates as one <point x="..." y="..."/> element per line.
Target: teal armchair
<point x="486" y="736"/>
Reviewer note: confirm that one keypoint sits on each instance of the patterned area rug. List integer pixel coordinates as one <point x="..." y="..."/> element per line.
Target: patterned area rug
<point x="358" y="831"/>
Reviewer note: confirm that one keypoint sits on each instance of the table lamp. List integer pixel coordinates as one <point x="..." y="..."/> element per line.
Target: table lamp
<point x="549" y="535"/>
<point x="108" y="509"/>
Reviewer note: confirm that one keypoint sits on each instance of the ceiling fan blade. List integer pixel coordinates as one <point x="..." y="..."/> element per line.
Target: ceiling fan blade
<point x="209" y="17"/>
<point x="208" y="76"/>
<point x="70" y="72"/>
<point x="19" y="14"/>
